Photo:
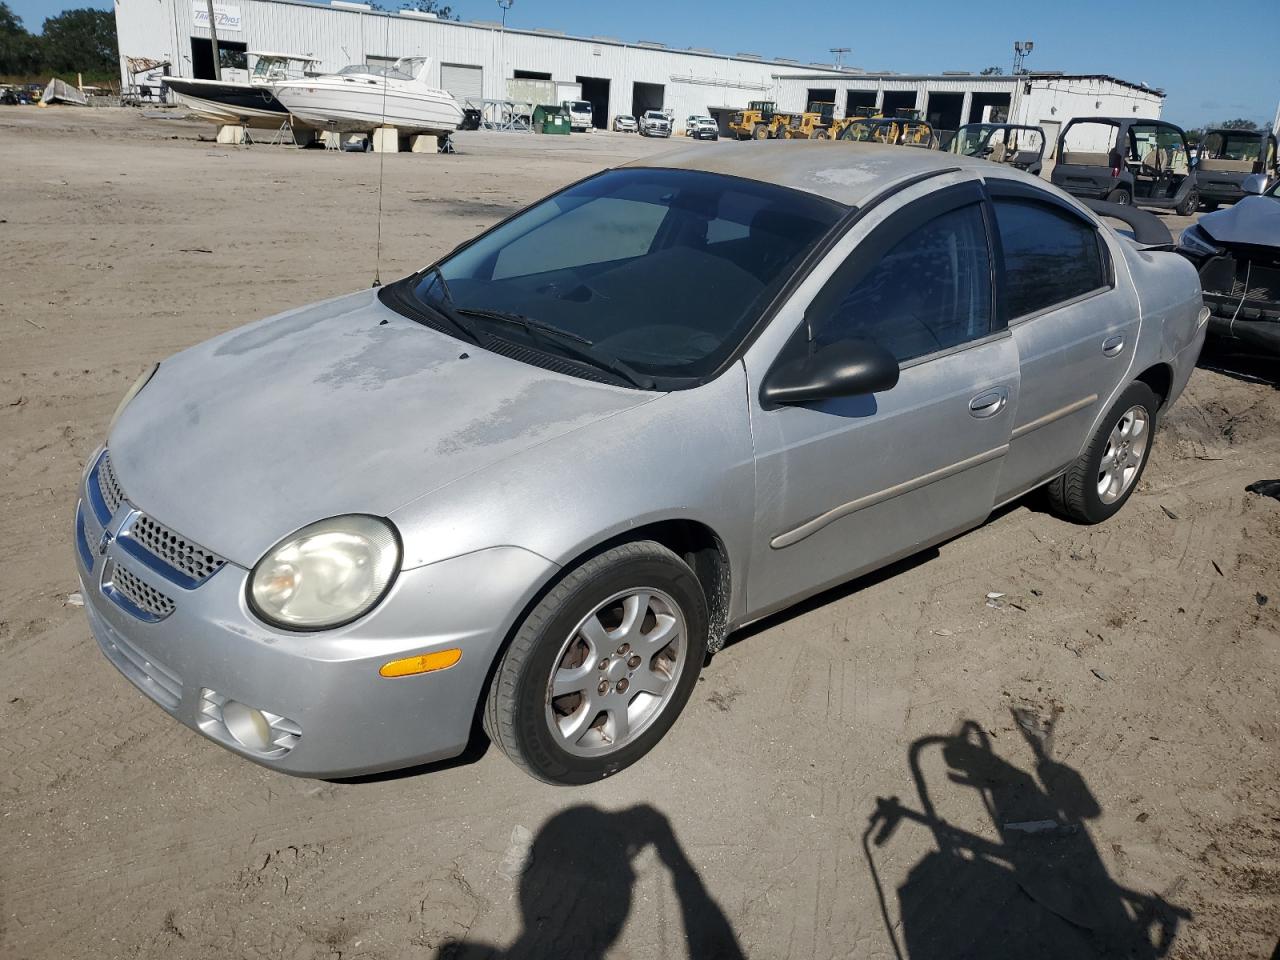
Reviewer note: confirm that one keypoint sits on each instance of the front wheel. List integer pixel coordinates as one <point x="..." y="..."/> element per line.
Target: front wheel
<point x="600" y="669"/>
<point x="1189" y="205"/>
<point x="1102" y="478"/>
<point x="1121" y="196"/>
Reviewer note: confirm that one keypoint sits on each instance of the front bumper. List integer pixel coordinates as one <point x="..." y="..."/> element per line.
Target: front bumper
<point x="331" y="713"/>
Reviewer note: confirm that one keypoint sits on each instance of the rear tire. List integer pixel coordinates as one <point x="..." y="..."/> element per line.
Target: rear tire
<point x="819" y="135"/>
<point x="1120" y="195"/>
<point x="600" y="638"/>
<point x="759" y="132"/>
<point x="1100" y="481"/>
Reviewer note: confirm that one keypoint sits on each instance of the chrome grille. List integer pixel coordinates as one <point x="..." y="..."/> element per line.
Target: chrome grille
<point x="142" y="595"/>
<point x="177" y="551"/>
<point x="108" y="485"/>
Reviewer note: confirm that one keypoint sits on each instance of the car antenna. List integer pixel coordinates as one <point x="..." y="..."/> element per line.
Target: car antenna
<point x="382" y="159"/>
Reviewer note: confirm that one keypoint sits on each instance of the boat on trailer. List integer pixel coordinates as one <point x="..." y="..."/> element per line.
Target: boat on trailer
<point x="251" y="104"/>
<point x="362" y="97"/>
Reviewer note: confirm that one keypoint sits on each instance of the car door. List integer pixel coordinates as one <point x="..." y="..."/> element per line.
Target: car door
<point x="1074" y="326"/>
<point x="846" y="485"/>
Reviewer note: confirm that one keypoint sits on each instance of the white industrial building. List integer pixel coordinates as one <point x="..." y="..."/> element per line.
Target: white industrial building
<point x="475" y="60"/>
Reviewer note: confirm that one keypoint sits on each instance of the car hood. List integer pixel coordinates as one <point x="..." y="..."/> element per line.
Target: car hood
<point x="1252" y="220"/>
<point x="341" y="407"/>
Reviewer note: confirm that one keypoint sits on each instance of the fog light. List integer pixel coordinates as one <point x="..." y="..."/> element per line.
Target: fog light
<point x="247" y="725"/>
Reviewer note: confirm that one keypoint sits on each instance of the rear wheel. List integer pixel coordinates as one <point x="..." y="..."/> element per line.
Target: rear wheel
<point x="1102" y="478"/>
<point x="760" y="132"/>
<point x="601" y="668"/>
<point x="1120" y="195"/>
<point x="819" y="134"/>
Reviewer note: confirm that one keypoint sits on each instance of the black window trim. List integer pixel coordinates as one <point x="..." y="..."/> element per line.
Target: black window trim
<point x="879" y="241"/>
<point x="1002" y="189"/>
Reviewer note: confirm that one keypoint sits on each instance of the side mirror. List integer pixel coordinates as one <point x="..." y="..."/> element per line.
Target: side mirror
<point x="848" y="368"/>
<point x="1255" y="184"/>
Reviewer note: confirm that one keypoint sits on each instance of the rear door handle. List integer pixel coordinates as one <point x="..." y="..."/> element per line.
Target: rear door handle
<point x="990" y="403"/>
<point x="1112" y="345"/>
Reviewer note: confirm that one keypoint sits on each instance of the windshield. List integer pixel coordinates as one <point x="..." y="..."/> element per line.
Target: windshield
<point x="665" y="270"/>
<point x="580" y="106"/>
<point x="1226" y="145"/>
<point x="654" y="115"/>
<point x="375" y="70"/>
<point x="971" y="141"/>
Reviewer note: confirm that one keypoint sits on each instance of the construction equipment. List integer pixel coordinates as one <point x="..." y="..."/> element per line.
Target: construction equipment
<point x="758" y="116"/>
<point x="814" y="124"/>
<point x="903" y="132"/>
<point x="837" y="127"/>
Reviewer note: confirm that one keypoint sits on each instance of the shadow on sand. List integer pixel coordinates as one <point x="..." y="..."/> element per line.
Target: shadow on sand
<point x="1040" y="890"/>
<point x="576" y="890"/>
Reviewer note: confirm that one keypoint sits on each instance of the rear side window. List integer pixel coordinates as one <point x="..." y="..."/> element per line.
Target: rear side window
<point x="930" y="292"/>
<point x="1050" y="257"/>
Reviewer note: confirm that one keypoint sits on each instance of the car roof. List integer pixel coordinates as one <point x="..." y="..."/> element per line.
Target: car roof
<point x="845" y="172"/>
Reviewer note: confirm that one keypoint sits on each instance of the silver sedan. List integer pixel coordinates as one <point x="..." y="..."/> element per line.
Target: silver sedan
<point x="530" y="489"/>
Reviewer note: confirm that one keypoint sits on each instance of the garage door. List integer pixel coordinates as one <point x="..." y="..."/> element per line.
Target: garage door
<point x="465" y="83"/>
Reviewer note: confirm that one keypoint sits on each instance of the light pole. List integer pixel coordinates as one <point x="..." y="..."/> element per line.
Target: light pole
<point x="505" y="5"/>
<point x="839" y="52"/>
<point x="1021" y="50"/>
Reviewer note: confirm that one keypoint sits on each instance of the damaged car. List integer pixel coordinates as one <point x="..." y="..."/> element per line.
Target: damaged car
<point x="514" y="490"/>
<point x="1237" y="252"/>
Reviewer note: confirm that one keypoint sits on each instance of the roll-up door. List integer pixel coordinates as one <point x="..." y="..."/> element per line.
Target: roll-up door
<point x="465" y="83"/>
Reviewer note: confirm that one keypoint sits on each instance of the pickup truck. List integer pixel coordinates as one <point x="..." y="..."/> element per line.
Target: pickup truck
<point x="654" y="123"/>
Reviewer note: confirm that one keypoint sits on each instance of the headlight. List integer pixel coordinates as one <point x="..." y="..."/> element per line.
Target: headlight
<point x="327" y="574"/>
<point x="1196" y="241"/>
<point x="136" y="389"/>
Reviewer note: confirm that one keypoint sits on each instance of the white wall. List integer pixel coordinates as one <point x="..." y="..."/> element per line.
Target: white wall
<point x="692" y="82"/>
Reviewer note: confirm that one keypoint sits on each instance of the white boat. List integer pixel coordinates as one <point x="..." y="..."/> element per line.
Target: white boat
<point x="363" y="97"/>
<point x="251" y="104"/>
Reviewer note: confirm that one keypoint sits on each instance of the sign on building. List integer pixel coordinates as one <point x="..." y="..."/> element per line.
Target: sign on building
<point x="226" y="16"/>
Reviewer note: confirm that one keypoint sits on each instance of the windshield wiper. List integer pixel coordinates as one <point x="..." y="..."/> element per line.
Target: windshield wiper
<point x="450" y="313"/>
<point x="571" y="343"/>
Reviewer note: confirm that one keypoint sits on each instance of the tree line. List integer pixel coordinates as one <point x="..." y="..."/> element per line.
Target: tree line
<point x="75" y="41"/>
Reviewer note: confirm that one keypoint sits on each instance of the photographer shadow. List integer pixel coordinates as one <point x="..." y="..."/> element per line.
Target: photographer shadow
<point x="1040" y="890"/>
<point x="577" y="885"/>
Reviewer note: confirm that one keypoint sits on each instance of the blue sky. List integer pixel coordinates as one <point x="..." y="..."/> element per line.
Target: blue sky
<point x="1211" y="69"/>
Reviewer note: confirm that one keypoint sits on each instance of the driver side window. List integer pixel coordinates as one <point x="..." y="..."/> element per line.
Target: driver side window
<point x="931" y="291"/>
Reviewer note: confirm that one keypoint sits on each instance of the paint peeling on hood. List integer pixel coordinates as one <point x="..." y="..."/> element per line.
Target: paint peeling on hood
<point x="341" y="407"/>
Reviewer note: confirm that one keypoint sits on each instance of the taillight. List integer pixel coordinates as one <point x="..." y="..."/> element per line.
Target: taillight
<point x="1115" y="173"/>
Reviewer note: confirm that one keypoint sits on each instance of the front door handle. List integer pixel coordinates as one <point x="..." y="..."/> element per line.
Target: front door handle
<point x="990" y="403"/>
<point x="1112" y="346"/>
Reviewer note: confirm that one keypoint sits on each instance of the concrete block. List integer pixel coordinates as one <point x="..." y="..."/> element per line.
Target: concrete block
<point x="231" y="133"/>
<point x="386" y="140"/>
<point x="424" y="143"/>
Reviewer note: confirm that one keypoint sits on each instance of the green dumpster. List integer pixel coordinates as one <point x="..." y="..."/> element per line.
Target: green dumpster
<point x="550" y="119"/>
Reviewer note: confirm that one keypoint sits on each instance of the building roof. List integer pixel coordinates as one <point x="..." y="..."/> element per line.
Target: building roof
<point x="848" y="173"/>
<point x="852" y="74"/>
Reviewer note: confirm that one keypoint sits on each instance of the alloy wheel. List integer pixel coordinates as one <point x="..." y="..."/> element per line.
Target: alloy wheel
<point x="616" y="671"/>
<point x="1122" y="459"/>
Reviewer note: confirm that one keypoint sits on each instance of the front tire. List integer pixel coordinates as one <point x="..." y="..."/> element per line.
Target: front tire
<point x="1120" y="195"/>
<point x="600" y="669"/>
<point x="1103" y="477"/>
<point x="1190" y="205"/>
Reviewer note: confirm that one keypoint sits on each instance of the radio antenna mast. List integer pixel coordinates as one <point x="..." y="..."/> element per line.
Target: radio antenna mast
<point x="382" y="159"/>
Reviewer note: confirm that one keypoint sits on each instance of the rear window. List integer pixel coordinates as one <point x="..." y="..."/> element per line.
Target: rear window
<point x="1050" y="256"/>
<point x="1089" y="143"/>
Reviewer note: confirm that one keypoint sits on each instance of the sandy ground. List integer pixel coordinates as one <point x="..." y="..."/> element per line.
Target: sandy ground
<point x="1123" y="686"/>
